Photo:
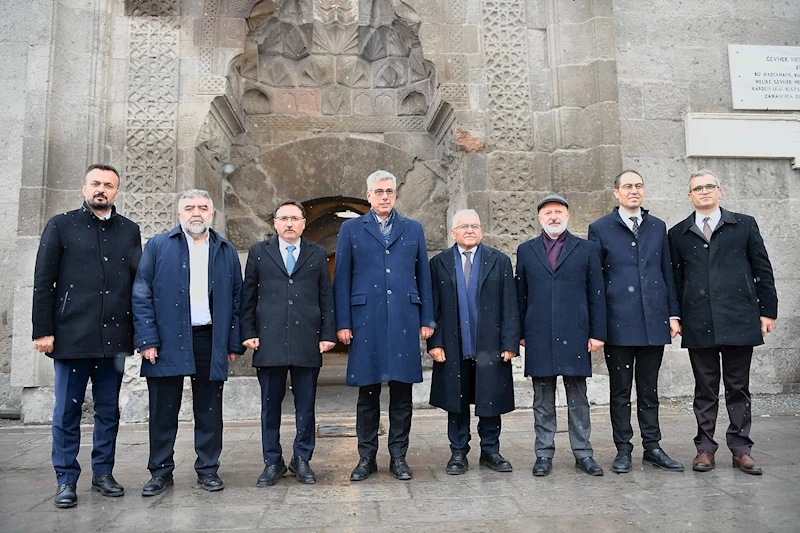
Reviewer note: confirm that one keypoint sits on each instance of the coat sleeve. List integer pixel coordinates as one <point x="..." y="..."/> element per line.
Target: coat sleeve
<point x="343" y="279"/>
<point x="234" y="337"/>
<point x="136" y="251"/>
<point x="48" y="262"/>
<point x="423" y="273"/>
<point x="437" y="339"/>
<point x="596" y="296"/>
<point x="509" y="319"/>
<point x="594" y="236"/>
<point x="762" y="273"/>
<point x="247" y="316"/>
<point x="677" y="266"/>
<point x="143" y="304"/>
<point x="522" y="290"/>
<point x="668" y="274"/>
<point x="325" y="289"/>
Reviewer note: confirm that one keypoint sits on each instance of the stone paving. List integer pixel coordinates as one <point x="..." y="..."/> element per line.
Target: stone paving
<point x="647" y="499"/>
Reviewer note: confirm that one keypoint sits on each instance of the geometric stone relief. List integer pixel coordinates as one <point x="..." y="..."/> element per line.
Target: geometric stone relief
<point x="151" y="115"/>
<point x="519" y="171"/>
<point x="152" y="8"/>
<point x="511" y="215"/>
<point x="362" y="124"/>
<point x="155" y="213"/>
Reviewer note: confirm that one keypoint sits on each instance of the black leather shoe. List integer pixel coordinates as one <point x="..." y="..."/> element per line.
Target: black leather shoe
<point x="589" y="465"/>
<point x="107" y="485"/>
<point x="457" y="464"/>
<point x="622" y="462"/>
<point x="302" y="471"/>
<point x="365" y="467"/>
<point x="400" y="468"/>
<point x="66" y="496"/>
<point x="210" y="482"/>
<point x="496" y="462"/>
<point x="542" y="466"/>
<point x="271" y="474"/>
<point x="658" y="457"/>
<point x="157" y="485"/>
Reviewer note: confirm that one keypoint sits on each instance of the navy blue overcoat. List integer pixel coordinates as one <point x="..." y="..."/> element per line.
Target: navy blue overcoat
<point x="382" y="293"/>
<point x="640" y="287"/>
<point x="561" y="308"/>
<point x="161" y="309"/>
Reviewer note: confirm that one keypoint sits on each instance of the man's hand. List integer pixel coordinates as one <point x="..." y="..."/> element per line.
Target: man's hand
<point x="345" y="335"/>
<point x="150" y="354"/>
<point x="767" y="325"/>
<point x="232" y="357"/>
<point x="425" y="332"/>
<point x="508" y="356"/>
<point x="595" y="345"/>
<point x="324" y="346"/>
<point x="251" y="344"/>
<point x="44" y="344"/>
<point x="522" y="342"/>
<point x="437" y="354"/>
<point x="674" y="327"/>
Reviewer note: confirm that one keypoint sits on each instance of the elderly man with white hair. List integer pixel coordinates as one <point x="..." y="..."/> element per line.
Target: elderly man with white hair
<point x="472" y="351"/>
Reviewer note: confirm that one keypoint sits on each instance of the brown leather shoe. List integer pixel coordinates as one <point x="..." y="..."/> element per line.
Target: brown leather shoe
<point x="704" y="462"/>
<point x="746" y="463"/>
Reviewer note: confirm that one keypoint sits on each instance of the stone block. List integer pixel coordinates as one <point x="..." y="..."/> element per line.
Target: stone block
<point x="421" y="392"/>
<point x="479" y="201"/>
<point x="472" y="39"/>
<point x="609" y="122"/>
<point x="572" y="43"/>
<point x="636" y="63"/>
<point x="418" y="144"/>
<point x="653" y="138"/>
<point x="664" y="178"/>
<point x="14" y="64"/>
<point x="544" y="131"/>
<point x="610" y="163"/>
<point x="607" y="85"/>
<point x="241" y="399"/>
<point x="578" y="128"/>
<point x="36" y="118"/>
<point x="473" y="169"/>
<point x="700" y="63"/>
<point x="536" y="14"/>
<point x="540" y="85"/>
<point x="574" y="85"/>
<point x="585" y="208"/>
<point x="630" y="30"/>
<point x="665" y="101"/>
<point x="631" y="100"/>
<point x="12" y="105"/>
<point x="537" y="49"/>
<point x="709" y="98"/>
<point x="771" y="369"/>
<point x="31" y="200"/>
<point x="37" y="405"/>
<point x="577" y="170"/>
<point x="604" y="38"/>
<point x="10" y="397"/>
<point x="576" y="11"/>
<point x="74" y="30"/>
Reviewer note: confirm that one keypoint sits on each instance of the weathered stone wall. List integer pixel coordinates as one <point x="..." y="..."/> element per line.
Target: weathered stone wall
<point x="673" y="61"/>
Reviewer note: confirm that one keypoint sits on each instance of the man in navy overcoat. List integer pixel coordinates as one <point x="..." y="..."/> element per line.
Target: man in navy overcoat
<point x="642" y="315"/>
<point x="383" y="302"/>
<point x="563" y="317"/>
<point x="477" y="335"/>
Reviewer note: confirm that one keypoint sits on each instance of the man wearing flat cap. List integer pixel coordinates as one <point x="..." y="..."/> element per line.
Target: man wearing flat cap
<point x="563" y="319"/>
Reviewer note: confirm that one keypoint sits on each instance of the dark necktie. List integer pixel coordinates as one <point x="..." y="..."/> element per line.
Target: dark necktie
<point x="707" y="229"/>
<point x="635" y="228"/>
<point x="467" y="268"/>
<point x="290" y="260"/>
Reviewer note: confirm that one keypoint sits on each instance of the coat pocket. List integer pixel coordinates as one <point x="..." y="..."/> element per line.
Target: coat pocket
<point x="415" y="299"/>
<point x="63" y="307"/>
<point x="358" y="299"/>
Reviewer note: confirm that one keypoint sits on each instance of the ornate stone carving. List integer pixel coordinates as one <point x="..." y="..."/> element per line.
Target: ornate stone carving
<point x="371" y="124"/>
<point x="316" y="72"/>
<point x="256" y="102"/>
<point x="152" y="8"/>
<point x="331" y="11"/>
<point x="155" y="213"/>
<point x="511" y="215"/>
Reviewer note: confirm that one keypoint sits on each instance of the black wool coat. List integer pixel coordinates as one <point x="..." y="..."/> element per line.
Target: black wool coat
<point x="82" y="284"/>
<point x="290" y="315"/>
<point x="723" y="286"/>
<point x="498" y="331"/>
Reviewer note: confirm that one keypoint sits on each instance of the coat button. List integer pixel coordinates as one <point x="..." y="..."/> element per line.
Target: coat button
<point x="705" y="245"/>
<point x="389" y="291"/>
<point x="388" y="270"/>
<point x="291" y="281"/>
<point x="291" y="302"/>
<point x="387" y="252"/>
<point x="633" y="243"/>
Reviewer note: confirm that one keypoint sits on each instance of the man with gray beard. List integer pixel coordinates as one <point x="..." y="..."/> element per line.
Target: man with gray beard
<point x="563" y="319"/>
<point x="186" y="316"/>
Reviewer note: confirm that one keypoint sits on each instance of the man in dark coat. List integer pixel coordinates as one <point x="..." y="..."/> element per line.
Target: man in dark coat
<point x="382" y="292"/>
<point x="642" y="316"/>
<point x="477" y="335"/>
<point x="287" y="318"/>
<point x="563" y="319"/>
<point x="84" y="271"/>
<point x="186" y="314"/>
<point x="728" y="303"/>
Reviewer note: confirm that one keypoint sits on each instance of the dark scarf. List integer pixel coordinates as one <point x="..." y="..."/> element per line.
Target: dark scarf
<point x="468" y="303"/>
<point x="553" y="247"/>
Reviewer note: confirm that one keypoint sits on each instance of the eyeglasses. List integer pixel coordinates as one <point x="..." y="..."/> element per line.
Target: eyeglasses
<point x="381" y="192"/>
<point x="465" y="227"/>
<point x="289" y="219"/>
<point x="700" y="188"/>
<point x="628" y="187"/>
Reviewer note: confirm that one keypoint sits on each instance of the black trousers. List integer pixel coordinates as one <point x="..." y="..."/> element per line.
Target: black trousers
<point x="165" y="403"/>
<point x="642" y="363"/>
<point x="368" y="414"/>
<point x="458" y="423"/>
<point x="273" y="389"/>
<point x="736" y="377"/>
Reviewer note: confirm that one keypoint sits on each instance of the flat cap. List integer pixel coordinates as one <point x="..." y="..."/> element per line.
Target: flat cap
<point x="552" y="198"/>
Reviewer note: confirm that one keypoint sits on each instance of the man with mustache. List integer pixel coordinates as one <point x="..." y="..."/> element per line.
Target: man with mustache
<point x="563" y="319"/>
<point x="82" y="319"/>
<point x="186" y="314"/>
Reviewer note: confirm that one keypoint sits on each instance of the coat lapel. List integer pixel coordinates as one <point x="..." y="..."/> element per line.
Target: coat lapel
<point x="274" y="252"/>
<point x="398" y="227"/>
<point x="305" y="253"/>
<point x="449" y="263"/>
<point x="538" y="251"/>
<point x="569" y="244"/>
<point x="371" y="225"/>
<point x="488" y="258"/>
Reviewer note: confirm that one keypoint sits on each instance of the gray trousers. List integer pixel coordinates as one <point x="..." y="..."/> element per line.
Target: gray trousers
<point x="544" y="416"/>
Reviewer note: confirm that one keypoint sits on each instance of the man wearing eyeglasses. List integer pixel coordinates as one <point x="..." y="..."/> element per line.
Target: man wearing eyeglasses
<point x="472" y="351"/>
<point x="641" y="316"/>
<point x="287" y="318"/>
<point x="728" y="303"/>
<point x="382" y="292"/>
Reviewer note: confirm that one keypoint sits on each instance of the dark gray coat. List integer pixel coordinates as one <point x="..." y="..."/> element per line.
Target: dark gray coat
<point x="82" y="284"/>
<point x="498" y="331"/>
<point x="289" y="315"/>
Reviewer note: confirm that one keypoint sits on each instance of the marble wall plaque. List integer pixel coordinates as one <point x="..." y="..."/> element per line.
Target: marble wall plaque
<point x="765" y="77"/>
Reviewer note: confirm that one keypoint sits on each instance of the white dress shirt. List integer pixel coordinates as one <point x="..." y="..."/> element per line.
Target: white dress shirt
<point x="626" y="217"/>
<point x="198" y="281"/>
<point x="283" y="244"/>
<point x="715" y="216"/>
